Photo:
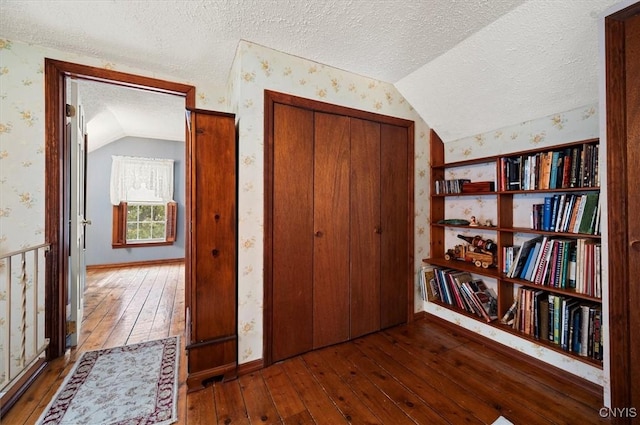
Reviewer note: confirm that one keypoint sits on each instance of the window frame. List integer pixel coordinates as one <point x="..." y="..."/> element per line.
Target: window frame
<point x="119" y="227"/>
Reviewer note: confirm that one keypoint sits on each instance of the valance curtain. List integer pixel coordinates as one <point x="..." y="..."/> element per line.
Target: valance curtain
<point x="135" y="179"/>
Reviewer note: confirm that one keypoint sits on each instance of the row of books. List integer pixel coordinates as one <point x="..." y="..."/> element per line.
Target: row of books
<point x="574" y="325"/>
<point x="461" y="290"/>
<point x="571" y="213"/>
<point x="450" y="186"/>
<point x="573" y="264"/>
<point x="557" y="169"/>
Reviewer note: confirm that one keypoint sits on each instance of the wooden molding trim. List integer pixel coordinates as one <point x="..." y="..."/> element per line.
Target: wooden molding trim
<point x="136" y="264"/>
<point x="19" y="388"/>
<point x="56" y="196"/>
<point x="250" y="367"/>
<point x="545" y="368"/>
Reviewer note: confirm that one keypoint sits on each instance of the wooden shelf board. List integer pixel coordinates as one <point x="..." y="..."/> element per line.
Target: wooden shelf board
<point x="508" y="329"/>
<point x="491" y="272"/>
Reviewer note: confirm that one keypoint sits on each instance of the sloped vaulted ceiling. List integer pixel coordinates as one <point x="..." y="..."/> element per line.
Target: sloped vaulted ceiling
<point x="536" y="60"/>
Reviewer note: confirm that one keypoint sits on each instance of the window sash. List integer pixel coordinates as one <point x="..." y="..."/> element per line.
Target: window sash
<point x="120" y="226"/>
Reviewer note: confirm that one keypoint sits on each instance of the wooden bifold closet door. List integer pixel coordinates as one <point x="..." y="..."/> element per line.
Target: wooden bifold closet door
<point x="338" y="260"/>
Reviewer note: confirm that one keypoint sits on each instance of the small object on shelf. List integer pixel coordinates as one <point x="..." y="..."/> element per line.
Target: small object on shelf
<point x="472" y="187"/>
<point x="454" y="222"/>
<point x="479" y="252"/>
<point x="488" y="223"/>
<point x="473" y="222"/>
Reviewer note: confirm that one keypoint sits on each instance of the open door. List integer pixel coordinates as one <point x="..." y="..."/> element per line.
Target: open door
<point x="76" y="131"/>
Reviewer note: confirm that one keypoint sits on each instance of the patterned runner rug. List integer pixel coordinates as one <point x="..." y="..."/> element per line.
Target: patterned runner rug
<point x="133" y="384"/>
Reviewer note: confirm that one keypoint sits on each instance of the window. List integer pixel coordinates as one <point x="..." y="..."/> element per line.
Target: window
<point x="146" y="222"/>
<point x="144" y="213"/>
<point x="140" y="224"/>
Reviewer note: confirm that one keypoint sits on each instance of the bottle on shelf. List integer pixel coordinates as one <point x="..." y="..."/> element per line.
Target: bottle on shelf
<point x="478" y="242"/>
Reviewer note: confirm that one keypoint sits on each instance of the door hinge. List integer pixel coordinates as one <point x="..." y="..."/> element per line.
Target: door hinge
<point x="71" y="327"/>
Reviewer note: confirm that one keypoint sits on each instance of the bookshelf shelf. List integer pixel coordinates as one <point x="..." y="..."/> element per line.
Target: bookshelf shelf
<point x="453" y="195"/>
<point x="544" y="232"/>
<point x="465" y="226"/>
<point x="554" y="175"/>
<point x="547" y="344"/>
<point x="496" y="324"/>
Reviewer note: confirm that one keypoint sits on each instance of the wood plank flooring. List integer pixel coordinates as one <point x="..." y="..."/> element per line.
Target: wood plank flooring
<point x="422" y="373"/>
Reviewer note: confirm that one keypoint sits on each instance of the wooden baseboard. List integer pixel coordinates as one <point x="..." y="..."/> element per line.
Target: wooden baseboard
<point x="250" y="367"/>
<point x="520" y="356"/>
<point x="199" y="380"/>
<point x="11" y="397"/>
<point x="135" y="264"/>
<point x="419" y="315"/>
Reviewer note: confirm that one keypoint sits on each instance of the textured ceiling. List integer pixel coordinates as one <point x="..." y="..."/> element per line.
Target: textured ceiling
<point x="539" y="59"/>
<point x="195" y="40"/>
<point x="113" y="112"/>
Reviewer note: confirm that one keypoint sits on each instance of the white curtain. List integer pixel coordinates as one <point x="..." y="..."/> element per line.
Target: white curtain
<point x="135" y="179"/>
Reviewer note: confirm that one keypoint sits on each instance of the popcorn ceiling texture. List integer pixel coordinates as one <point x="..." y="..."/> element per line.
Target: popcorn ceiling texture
<point x="466" y="66"/>
<point x="196" y="40"/>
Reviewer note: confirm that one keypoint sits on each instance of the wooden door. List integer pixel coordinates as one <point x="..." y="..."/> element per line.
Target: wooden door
<point x="292" y="235"/>
<point x="325" y="220"/>
<point x="331" y="229"/>
<point x="396" y="258"/>
<point x="622" y="60"/>
<point x="365" y="230"/>
<point x="212" y="248"/>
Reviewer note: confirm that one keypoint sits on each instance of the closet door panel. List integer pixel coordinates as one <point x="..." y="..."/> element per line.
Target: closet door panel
<point x="395" y="255"/>
<point x="365" y="229"/>
<point x="292" y="232"/>
<point x="214" y="228"/>
<point x="331" y="230"/>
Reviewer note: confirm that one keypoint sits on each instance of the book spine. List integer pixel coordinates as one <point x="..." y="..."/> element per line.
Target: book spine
<point x="546" y="213"/>
<point x="557" y="316"/>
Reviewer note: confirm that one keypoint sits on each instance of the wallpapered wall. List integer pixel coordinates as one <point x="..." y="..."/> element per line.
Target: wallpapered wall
<point x="261" y="68"/>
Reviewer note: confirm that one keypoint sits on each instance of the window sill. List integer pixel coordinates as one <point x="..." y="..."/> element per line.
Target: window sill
<point x="141" y="245"/>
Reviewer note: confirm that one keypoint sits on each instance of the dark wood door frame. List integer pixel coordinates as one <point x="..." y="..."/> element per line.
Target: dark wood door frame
<point x="622" y="147"/>
<point x="270" y="99"/>
<point x="56" y="193"/>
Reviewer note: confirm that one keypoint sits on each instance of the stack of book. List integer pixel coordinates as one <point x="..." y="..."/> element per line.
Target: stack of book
<point x="573" y="264"/>
<point x="574" y="325"/>
<point x="461" y="290"/>
<point x="575" y="166"/>
<point x="569" y="213"/>
<point x="444" y="187"/>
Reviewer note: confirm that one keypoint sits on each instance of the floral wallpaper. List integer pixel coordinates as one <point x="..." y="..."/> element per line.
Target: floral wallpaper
<point x="578" y="124"/>
<point x="260" y="68"/>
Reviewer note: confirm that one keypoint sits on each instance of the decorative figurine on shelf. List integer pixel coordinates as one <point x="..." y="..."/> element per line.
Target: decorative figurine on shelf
<point x="473" y="222"/>
<point x="488" y="223"/>
<point x="480" y="252"/>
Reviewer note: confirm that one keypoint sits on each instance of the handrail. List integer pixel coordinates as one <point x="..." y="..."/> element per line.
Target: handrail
<point x="25" y="281"/>
<point x="21" y="251"/>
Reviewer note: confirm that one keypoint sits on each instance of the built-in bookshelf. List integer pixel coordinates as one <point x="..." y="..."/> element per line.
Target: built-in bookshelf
<point x="544" y="224"/>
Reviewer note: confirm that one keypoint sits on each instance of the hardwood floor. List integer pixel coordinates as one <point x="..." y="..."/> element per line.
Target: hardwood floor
<point x="423" y="373"/>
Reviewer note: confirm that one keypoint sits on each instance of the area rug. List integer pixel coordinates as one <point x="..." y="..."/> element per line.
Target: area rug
<point x="133" y="384"/>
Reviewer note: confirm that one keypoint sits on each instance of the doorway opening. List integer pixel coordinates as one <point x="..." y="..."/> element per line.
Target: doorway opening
<point x="58" y="219"/>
